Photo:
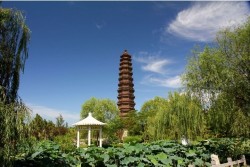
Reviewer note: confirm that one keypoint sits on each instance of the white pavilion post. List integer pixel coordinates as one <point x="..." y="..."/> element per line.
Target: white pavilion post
<point x="89" y="136"/>
<point x="100" y="136"/>
<point x="78" y="137"/>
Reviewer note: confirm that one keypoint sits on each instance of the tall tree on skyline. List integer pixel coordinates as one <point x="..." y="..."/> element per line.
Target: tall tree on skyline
<point x="14" y="38"/>
<point x="220" y="77"/>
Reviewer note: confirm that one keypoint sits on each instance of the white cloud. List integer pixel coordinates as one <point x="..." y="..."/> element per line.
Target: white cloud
<point x="152" y="63"/>
<point x="155" y="66"/>
<point x="170" y="82"/>
<point x="51" y="114"/>
<point x="158" y="69"/>
<point x="202" y="20"/>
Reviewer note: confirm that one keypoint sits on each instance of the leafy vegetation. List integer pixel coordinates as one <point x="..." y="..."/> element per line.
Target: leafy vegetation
<point x="66" y="141"/>
<point x="215" y="104"/>
<point x="159" y="153"/>
<point x="41" y="129"/>
<point x="219" y="76"/>
<point x="215" y="101"/>
<point x="12" y="129"/>
<point x="133" y="139"/>
<point x="228" y="147"/>
<point x="104" y="110"/>
<point x="181" y="115"/>
<point x="45" y="153"/>
<point x="14" y="38"/>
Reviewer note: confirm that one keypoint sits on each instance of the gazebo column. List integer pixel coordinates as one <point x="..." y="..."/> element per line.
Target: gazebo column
<point x="100" y="137"/>
<point x="78" y="137"/>
<point x="89" y="136"/>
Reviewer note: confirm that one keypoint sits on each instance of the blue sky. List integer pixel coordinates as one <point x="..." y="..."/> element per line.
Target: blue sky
<point x="75" y="48"/>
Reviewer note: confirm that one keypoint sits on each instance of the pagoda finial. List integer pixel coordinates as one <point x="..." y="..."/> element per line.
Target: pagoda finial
<point x="125" y="51"/>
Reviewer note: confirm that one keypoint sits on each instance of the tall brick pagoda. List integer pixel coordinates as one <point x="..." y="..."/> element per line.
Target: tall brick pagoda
<point x="125" y="87"/>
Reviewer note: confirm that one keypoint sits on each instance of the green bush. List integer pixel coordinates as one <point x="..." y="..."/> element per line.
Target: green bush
<point x="66" y="142"/>
<point x="228" y="147"/>
<point x="46" y="154"/>
<point x="133" y="139"/>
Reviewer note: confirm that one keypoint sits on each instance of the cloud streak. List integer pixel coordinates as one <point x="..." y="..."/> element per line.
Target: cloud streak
<point x="51" y="114"/>
<point x="157" y="69"/>
<point x="203" y="20"/>
<point x="169" y="82"/>
<point x="152" y="63"/>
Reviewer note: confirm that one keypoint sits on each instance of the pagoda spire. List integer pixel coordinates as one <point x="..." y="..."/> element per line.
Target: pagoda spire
<point x="125" y="87"/>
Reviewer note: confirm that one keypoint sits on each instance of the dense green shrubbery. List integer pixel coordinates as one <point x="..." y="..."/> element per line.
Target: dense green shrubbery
<point x="160" y="153"/>
<point x="45" y="153"/>
<point x="66" y="141"/>
<point x="228" y="147"/>
<point x="133" y="139"/>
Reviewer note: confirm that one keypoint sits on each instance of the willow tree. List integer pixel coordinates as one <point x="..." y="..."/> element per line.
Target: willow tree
<point x="13" y="131"/>
<point x="14" y="38"/>
<point x="226" y="120"/>
<point x="183" y="116"/>
<point x="223" y="70"/>
<point x="149" y="114"/>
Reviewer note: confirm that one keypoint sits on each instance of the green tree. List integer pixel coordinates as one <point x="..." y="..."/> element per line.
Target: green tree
<point x="60" y="121"/>
<point x="220" y="74"/>
<point x="42" y="129"/>
<point x="150" y="107"/>
<point x="13" y="129"/>
<point x="114" y="130"/>
<point x="184" y="117"/>
<point x="133" y="123"/>
<point x="66" y="141"/>
<point x="60" y="125"/>
<point x="50" y="130"/>
<point x="104" y="110"/>
<point x="226" y="120"/>
<point x="38" y="126"/>
<point x="14" y="38"/>
<point x="179" y="115"/>
<point x="148" y="114"/>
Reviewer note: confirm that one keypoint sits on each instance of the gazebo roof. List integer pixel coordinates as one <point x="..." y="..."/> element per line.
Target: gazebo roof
<point x="89" y="121"/>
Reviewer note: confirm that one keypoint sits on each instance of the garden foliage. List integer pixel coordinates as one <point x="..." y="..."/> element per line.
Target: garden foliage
<point x="219" y="75"/>
<point x="159" y="153"/>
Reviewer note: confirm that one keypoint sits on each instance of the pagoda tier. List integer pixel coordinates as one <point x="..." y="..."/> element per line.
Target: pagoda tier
<point x="125" y="86"/>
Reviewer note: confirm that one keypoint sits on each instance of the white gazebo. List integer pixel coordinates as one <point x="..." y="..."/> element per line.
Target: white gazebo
<point x="89" y="123"/>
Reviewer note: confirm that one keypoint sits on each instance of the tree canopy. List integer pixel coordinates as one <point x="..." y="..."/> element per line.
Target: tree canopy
<point x="102" y="109"/>
<point x="223" y="68"/>
<point x="179" y="115"/>
<point x="220" y="77"/>
<point x="14" y="38"/>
